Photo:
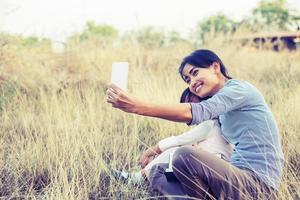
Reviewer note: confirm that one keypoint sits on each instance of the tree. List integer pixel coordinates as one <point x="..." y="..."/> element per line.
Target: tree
<point x="153" y="37"/>
<point x="214" y="25"/>
<point x="273" y="15"/>
<point x="150" y="37"/>
<point x="174" y="37"/>
<point x="94" y="31"/>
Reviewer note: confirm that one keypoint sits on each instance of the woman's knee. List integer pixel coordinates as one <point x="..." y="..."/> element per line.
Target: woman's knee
<point x="181" y="156"/>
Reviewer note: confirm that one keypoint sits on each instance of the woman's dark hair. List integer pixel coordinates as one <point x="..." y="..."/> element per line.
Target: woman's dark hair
<point x="203" y="58"/>
<point x="187" y="96"/>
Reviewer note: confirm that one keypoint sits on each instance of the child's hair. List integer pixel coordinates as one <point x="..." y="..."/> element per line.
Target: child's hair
<point x="188" y="96"/>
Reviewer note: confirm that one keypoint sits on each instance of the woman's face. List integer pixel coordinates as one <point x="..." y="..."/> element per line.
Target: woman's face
<point x="203" y="82"/>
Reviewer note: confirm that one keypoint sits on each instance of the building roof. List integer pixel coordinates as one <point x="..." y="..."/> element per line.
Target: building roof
<point x="282" y="34"/>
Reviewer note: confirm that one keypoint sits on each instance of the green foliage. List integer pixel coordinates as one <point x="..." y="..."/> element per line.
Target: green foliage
<point x="174" y="37"/>
<point x="214" y="24"/>
<point x="94" y="31"/>
<point x="154" y="37"/>
<point x="24" y="41"/>
<point x="273" y="15"/>
<point x="150" y="37"/>
<point x="32" y="40"/>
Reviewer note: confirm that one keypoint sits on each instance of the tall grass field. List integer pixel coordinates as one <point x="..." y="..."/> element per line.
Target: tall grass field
<point x="59" y="136"/>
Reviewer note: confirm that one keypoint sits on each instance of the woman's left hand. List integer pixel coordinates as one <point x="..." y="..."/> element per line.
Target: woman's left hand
<point x="118" y="98"/>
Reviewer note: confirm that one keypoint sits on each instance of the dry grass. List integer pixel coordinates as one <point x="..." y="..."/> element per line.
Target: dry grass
<point x="58" y="134"/>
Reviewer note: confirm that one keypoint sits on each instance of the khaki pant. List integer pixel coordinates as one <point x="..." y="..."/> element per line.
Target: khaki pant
<point x="204" y="176"/>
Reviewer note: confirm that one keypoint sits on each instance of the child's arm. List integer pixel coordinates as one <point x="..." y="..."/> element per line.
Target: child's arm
<point x="200" y="132"/>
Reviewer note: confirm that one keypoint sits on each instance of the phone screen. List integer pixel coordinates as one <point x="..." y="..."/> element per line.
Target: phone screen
<point x="119" y="74"/>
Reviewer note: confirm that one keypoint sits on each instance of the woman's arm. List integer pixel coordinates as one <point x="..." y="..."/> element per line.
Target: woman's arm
<point x="123" y="101"/>
<point x="173" y="112"/>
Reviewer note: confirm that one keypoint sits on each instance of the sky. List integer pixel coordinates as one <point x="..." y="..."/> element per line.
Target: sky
<point x="58" y="19"/>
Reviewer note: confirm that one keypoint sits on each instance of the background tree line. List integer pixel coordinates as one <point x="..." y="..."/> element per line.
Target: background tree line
<point x="267" y="16"/>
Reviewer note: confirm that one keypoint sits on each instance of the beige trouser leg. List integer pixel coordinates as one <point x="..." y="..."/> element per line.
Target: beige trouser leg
<point x="205" y="176"/>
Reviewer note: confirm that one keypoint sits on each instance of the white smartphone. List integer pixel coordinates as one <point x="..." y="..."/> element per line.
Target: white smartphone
<point x="119" y="74"/>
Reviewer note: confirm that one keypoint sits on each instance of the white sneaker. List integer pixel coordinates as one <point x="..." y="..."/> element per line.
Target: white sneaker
<point x="129" y="177"/>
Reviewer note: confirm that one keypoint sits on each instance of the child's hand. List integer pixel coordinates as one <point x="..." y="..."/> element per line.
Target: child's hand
<point x="148" y="154"/>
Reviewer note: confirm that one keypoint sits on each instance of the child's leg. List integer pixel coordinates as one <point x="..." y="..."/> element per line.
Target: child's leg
<point x="161" y="158"/>
<point x="138" y="176"/>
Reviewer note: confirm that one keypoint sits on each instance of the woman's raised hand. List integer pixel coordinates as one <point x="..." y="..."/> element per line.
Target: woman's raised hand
<point x="148" y="154"/>
<point x="118" y="98"/>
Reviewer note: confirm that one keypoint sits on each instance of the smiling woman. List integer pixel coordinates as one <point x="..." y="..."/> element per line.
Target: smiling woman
<point x="203" y="67"/>
<point x="255" y="168"/>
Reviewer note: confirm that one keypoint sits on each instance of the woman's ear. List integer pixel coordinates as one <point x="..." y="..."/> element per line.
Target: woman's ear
<point x="217" y="68"/>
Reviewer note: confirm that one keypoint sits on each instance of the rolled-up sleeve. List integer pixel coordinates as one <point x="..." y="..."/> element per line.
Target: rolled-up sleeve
<point x="232" y="96"/>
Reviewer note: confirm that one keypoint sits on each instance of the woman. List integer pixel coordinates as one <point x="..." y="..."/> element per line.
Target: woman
<point x="246" y="121"/>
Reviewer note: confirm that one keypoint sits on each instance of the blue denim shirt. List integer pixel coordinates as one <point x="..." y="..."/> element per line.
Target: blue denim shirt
<point x="247" y="122"/>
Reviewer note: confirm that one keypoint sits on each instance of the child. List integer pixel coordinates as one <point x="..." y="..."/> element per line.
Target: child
<point x="215" y="143"/>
